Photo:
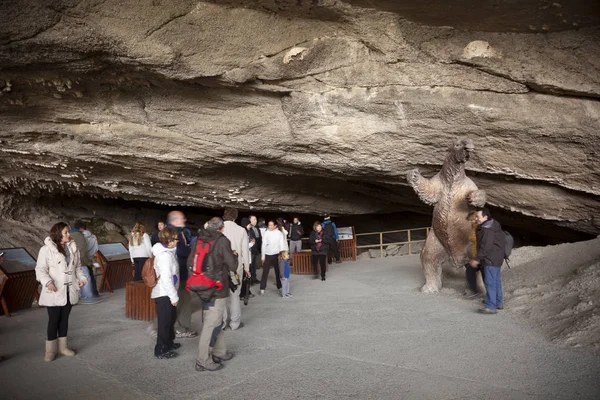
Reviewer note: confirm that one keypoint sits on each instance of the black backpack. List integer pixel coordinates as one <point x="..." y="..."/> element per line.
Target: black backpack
<point x="328" y="229"/>
<point x="509" y="243"/>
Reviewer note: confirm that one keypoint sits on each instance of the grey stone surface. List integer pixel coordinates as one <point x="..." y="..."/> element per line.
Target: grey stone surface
<point x="365" y="333"/>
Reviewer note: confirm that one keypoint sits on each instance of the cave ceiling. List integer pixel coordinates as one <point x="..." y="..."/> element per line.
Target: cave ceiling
<point x="305" y="106"/>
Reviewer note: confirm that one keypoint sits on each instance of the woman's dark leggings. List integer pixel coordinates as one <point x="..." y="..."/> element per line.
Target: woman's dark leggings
<point x="270" y="261"/>
<point x="138" y="266"/>
<point x="58" y="320"/>
<point x="319" y="259"/>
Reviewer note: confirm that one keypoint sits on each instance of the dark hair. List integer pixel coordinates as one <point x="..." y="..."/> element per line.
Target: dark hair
<point x="230" y="214"/>
<point x="261" y="220"/>
<point x="485" y="212"/>
<point x="56" y="235"/>
<point x="279" y="222"/>
<point x="315" y="225"/>
<point x="79" y="224"/>
<point x="167" y="235"/>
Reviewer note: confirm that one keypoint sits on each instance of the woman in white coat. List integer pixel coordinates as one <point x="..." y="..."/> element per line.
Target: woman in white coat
<point x="140" y="249"/>
<point x="59" y="271"/>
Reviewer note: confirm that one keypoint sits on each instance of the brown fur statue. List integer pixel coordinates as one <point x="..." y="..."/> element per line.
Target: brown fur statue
<point x="451" y="193"/>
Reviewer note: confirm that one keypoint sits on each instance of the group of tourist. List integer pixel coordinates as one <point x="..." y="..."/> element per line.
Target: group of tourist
<point x="64" y="268"/>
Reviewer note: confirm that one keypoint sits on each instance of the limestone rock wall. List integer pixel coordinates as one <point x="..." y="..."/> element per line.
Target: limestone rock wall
<point x="306" y="106"/>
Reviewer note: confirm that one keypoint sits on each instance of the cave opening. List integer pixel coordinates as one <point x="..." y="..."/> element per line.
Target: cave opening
<point x="527" y="231"/>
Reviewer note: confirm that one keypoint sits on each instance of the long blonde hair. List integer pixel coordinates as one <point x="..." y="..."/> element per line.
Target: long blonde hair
<point x="137" y="234"/>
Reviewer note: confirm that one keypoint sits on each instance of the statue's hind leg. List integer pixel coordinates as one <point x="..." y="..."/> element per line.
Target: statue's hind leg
<point x="432" y="257"/>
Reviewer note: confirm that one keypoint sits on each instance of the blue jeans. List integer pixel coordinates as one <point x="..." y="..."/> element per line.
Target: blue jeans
<point x="493" y="287"/>
<point x="86" y="290"/>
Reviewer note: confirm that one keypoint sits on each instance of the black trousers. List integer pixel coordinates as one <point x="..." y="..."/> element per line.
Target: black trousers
<point x="472" y="277"/>
<point x="270" y="261"/>
<point x="319" y="259"/>
<point x="138" y="266"/>
<point x="94" y="283"/>
<point x="254" y="263"/>
<point x="167" y="316"/>
<point x="336" y="251"/>
<point x="58" y="320"/>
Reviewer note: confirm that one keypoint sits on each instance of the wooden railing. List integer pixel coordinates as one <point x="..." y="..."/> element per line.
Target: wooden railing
<point x="410" y="239"/>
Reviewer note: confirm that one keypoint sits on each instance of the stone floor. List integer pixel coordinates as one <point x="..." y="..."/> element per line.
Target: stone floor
<point x="366" y="333"/>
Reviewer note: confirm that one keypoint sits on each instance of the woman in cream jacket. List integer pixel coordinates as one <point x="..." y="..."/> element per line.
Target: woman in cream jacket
<point x="59" y="271"/>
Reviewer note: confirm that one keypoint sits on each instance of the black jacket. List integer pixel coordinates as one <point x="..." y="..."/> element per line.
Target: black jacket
<point x="220" y="255"/>
<point x="184" y="243"/>
<point x="490" y="243"/>
<point x="296" y="231"/>
<point x="325" y="244"/>
<point x="257" y="240"/>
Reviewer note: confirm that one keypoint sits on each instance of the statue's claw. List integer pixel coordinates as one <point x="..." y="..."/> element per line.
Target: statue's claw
<point x="477" y="198"/>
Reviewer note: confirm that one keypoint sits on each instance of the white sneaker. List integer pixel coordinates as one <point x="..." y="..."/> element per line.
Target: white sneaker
<point x="262" y="292"/>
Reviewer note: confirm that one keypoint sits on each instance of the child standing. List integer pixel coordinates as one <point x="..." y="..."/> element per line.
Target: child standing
<point x="165" y="292"/>
<point x="284" y="268"/>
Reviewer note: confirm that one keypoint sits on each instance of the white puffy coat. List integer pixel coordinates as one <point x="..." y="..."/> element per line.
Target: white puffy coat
<point x="52" y="266"/>
<point x="166" y="267"/>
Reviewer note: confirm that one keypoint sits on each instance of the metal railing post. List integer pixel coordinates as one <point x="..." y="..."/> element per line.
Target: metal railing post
<point x="381" y="243"/>
<point x="409" y="246"/>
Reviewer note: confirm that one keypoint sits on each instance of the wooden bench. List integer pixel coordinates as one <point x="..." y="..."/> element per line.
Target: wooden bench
<point x="138" y="304"/>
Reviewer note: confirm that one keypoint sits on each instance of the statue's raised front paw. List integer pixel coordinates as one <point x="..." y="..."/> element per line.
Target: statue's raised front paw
<point x="477" y="198"/>
<point x="413" y="176"/>
<point x="430" y="288"/>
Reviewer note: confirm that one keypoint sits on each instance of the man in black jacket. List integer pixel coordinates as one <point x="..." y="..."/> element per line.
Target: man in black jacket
<point x="256" y="235"/>
<point x="211" y="349"/>
<point x="296" y="233"/>
<point x="490" y="256"/>
<point x="176" y="220"/>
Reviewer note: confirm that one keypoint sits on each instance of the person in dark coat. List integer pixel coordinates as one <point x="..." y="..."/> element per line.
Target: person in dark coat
<point x="320" y="243"/>
<point x="490" y="255"/>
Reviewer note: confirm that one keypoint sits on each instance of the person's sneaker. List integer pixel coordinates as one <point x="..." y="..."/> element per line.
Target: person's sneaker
<point x="240" y="326"/>
<point x="487" y="311"/>
<point x="90" y="300"/>
<point x="176" y="346"/>
<point x="499" y="307"/>
<point x="186" y="335"/>
<point x="228" y="356"/>
<point x="209" y="367"/>
<point x="166" y="356"/>
<point x="262" y="292"/>
<point x="289" y="295"/>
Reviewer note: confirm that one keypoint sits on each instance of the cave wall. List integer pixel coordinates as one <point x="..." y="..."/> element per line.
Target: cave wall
<point x="301" y="106"/>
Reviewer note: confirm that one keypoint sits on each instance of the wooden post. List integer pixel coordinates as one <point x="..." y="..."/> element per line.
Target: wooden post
<point x="409" y="246"/>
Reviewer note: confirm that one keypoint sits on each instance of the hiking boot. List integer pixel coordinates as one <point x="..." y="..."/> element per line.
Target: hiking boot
<point x="228" y="356"/>
<point x="486" y="311"/>
<point x="499" y="307"/>
<point x="208" y="367"/>
<point x="186" y="335"/>
<point x="323" y="278"/>
<point x="166" y="356"/>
